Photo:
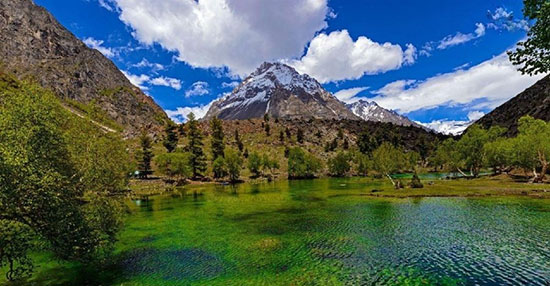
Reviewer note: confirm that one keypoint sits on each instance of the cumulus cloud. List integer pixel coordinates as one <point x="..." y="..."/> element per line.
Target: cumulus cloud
<point x="180" y="114"/>
<point x="198" y="88"/>
<point x="238" y="34"/>
<point x="448" y="127"/>
<point x="503" y="19"/>
<point x="143" y="80"/>
<point x="486" y="85"/>
<point x="350" y="95"/>
<point x="155" y="67"/>
<point x="475" y="115"/>
<point x="336" y="57"/>
<point x="137" y="80"/>
<point x="98" y="45"/>
<point x="167" y="81"/>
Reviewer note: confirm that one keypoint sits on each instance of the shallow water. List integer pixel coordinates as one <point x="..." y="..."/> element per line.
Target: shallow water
<point x="323" y="232"/>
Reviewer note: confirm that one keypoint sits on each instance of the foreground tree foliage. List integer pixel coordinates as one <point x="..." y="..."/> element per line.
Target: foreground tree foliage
<point x="56" y="172"/>
<point x="174" y="165"/>
<point x="255" y="164"/>
<point x="233" y="161"/>
<point x="302" y="164"/>
<point x="469" y="153"/>
<point x="144" y="156"/>
<point x="534" y="54"/>
<point x="339" y="165"/>
<point x="480" y="148"/>
<point x="171" y="137"/>
<point x="217" y="140"/>
<point x="388" y="159"/>
<point x="197" y="159"/>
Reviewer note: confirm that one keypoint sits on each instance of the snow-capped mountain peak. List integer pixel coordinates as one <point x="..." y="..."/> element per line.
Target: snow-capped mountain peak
<point x="280" y="91"/>
<point x="371" y="111"/>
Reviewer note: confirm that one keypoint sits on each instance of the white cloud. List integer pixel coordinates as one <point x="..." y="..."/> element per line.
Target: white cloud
<point x="143" y="80"/>
<point x="504" y="19"/>
<point x="349" y="95"/>
<point x="449" y="127"/>
<point x="475" y="115"/>
<point x="486" y="85"/>
<point x="238" y="34"/>
<point x="146" y="64"/>
<point x="336" y="57"/>
<point x="180" y="114"/>
<point x="198" y="88"/>
<point x="98" y="45"/>
<point x="106" y="4"/>
<point x="137" y="80"/>
<point x="167" y="81"/>
<point x="232" y="84"/>
<point x="460" y="38"/>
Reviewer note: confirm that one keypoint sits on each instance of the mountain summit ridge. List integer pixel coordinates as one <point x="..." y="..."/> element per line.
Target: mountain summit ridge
<point x="371" y="111"/>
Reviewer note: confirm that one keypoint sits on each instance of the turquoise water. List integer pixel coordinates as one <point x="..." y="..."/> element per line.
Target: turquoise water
<point x="322" y="232"/>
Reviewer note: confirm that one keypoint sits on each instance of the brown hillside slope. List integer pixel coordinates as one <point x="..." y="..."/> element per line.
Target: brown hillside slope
<point x="34" y="45"/>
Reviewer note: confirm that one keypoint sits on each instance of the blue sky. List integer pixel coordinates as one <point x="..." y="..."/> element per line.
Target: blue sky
<point x="434" y="61"/>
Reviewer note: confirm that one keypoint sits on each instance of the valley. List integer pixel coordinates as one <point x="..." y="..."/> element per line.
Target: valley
<point x="223" y="142"/>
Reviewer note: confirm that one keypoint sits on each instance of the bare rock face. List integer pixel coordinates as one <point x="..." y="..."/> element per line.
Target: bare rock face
<point x="33" y="45"/>
<point x="280" y="91"/>
<point x="534" y="101"/>
<point x="371" y="111"/>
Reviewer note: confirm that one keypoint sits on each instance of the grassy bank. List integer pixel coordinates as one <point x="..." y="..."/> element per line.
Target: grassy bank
<point x="490" y="186"/>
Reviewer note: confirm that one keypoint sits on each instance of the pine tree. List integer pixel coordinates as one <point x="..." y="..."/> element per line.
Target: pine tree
<point x="267" y="130"/>
<point x="171" y="139"/>
<point x="238" y="141"/>
<point x="281" y="136"/>
<point x="340" y="134"/>
<point x="288" y="134"/>
<point x="345" y="145"/>
<point x="300" y="136"/>
<point x="197" y="159"/>
<point x="266" y="117"/>
<point x="217" y="141"/>
<point x="181" y="129"/>
<point x="145" y="155"/>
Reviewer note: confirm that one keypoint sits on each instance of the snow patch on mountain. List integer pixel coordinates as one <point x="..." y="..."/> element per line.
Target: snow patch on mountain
<point x="371" y="111"/>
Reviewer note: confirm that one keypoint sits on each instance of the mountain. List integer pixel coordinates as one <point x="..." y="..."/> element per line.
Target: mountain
<point x="280" y="91"/>
<point x="370" y="111"/>
<point x="37" y="47"/>
<point x="534" y="101"/>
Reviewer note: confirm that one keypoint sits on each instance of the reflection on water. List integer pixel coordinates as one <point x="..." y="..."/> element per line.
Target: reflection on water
<point x="323" y="232"/>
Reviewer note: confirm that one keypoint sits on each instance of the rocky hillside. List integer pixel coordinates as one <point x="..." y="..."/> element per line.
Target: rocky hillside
<point x="371" y="111"/>
<point x="281" y="92"/>
<point x="35" y="46"/>
<point x="534" y="101"/>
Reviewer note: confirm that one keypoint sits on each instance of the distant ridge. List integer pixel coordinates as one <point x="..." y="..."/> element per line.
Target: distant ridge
<point x="371" y="111"/>
<point x="534" y="101"/>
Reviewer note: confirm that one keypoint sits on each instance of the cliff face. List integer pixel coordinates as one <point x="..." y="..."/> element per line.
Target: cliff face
<point x="33" y="45"/>
<point x="534" y="101"/>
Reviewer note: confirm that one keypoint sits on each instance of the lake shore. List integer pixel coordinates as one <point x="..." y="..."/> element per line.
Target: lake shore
<point x="490" y="186"/>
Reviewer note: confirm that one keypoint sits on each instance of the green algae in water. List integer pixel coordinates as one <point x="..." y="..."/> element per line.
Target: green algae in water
<point x="320" y="232"/>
